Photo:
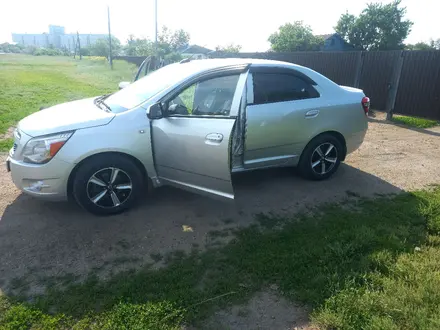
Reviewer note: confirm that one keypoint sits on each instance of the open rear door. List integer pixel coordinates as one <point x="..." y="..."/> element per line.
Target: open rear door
<point x="192" y="143"/>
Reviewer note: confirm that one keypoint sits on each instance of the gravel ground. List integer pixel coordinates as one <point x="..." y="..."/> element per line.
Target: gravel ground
<point x="44" y="239"/>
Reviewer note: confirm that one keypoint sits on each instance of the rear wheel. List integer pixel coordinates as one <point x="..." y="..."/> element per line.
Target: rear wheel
<point x="107" y="184"/>
<point x="321" y="158"/>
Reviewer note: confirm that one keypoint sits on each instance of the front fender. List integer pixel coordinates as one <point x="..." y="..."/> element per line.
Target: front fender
<point x="133" y="140"/>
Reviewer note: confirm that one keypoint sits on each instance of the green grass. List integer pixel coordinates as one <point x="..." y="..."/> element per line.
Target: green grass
<point x="29" y="82"/>
<point x="374" y="266"/>
<point x="6" y="144"/>
<point x="187" y="97"/>
<point x="415" y="121"/>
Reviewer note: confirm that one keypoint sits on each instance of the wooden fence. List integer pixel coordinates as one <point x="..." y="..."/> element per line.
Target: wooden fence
<point x="403" y="82"/>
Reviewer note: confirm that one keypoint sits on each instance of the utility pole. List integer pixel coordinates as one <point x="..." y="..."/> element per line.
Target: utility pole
<point x="110" y="55"/>
<point x="155" y="26"/>
<point x="79" y="45"/>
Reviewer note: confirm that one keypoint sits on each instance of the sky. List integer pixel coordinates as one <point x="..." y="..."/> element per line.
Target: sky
<point x="209" y="23"/>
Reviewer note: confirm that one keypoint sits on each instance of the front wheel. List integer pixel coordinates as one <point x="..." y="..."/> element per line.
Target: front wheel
<point x="321" y="158"/>
<point x="107" y="184"/>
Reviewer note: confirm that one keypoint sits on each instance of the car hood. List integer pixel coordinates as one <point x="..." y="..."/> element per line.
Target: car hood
<point x="65" y="117"/>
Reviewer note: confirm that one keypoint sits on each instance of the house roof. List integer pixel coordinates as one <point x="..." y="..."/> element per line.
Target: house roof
<point x="325" y="36"/>
<point x="194" y="49"/>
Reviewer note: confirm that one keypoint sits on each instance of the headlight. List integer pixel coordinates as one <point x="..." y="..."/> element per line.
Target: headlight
<point x="42" y="149"/>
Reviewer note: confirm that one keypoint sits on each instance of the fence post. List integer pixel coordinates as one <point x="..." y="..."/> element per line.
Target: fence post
<point x="359" y="67"/>
<point x="393" y="85"/>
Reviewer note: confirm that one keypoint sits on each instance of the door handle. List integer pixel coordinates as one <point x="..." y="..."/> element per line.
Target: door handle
<point x="312" y="113"/>
<point x="214" y="137"/>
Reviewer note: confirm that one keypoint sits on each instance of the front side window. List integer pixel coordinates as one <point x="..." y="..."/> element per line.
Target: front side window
<point x="281" y="87"/>
<point x="212" y="97"/>
<point x="148" y="86"/>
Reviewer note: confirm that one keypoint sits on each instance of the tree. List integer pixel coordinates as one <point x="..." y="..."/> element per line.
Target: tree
<point x="101" y="47"/>
<point x="139" y="47"/>
<point x="11" y="48"/>
<point x="85" y="51"/>
<point x="378" y="27"/>
<point x="179" y="39"/>
<point x="171" y="41"/>
<point x="230" y="48"/>
<point x="168" y="44"/>
<point x="294" y="37"/>
<point x="420" y="46"/>
<point x="130" y="48"/>
<point x="432" y="45"/>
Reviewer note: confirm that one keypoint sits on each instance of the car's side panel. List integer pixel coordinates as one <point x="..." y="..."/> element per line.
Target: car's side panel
<point x="271" y="134"/>
<point x="186" y="156"/>
<point x="276" y="132"/>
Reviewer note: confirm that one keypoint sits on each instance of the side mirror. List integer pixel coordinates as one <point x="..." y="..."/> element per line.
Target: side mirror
<point x="155" y="111"/>
<point x="123" y="84"/>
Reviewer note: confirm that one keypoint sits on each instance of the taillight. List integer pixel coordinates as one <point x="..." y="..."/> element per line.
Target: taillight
<point x="366" y="104"/>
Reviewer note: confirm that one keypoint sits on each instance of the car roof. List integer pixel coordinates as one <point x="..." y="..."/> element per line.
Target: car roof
<point x="198" y="66"/>
<point x="207" y="64"/>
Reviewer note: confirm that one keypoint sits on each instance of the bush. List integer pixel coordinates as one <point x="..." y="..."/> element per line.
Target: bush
<point x="30" y="50"/>
<point x="85" y="51"/>
<point x="47" y="52"/>
<point x="6" y="47"/>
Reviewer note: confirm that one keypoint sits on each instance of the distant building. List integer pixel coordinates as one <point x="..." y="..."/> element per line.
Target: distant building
<point x="194" y="51"/>
<point x="56" y="38"/>
<point x="334" y="42"/>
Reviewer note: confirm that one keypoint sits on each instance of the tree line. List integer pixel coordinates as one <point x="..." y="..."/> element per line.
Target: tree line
<point x="378" y="27"/>
<point x="169" y="44"/>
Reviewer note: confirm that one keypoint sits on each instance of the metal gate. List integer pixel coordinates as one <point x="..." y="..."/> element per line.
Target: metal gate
<point x="419" y="87"/>
<point x="376" y="76"/>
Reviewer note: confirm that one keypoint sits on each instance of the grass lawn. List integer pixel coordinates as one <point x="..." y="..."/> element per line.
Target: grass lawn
<point x="415" y="121"/>
<point x="29" y="82"/>
<point x="375" y="265"/>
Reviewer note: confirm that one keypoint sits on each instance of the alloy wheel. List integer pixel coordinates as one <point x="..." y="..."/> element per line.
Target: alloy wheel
<point x="324" y="158"/>
<point x="109" y="187"/>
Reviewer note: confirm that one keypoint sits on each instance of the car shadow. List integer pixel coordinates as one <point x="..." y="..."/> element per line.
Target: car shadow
<point x="41" y="239"/>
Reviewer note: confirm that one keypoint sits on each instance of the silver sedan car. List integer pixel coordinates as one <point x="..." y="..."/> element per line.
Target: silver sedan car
<point x="191" y="125"/>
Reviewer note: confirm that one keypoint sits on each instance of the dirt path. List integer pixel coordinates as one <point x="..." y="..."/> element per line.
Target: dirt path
<point x="39" y="238"/>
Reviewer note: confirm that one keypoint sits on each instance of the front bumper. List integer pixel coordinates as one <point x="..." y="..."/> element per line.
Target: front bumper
<point x="47" y="181"/>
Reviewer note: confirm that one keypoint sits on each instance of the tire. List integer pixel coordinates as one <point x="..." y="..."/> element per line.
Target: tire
<point x="92" y="189"/>
<point x="314" y="165"/>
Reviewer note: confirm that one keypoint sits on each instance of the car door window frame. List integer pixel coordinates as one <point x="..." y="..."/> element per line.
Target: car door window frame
<point x="280" y="71"/>
<point x="241" y="71"/>
<point x="142" y="67"/>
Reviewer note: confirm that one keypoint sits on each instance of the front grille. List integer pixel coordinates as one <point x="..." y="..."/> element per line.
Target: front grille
<point x="14" y="149"/>
<point x="17" y="136"/>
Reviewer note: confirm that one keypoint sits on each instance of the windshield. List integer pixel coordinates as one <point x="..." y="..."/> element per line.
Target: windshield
<point x="145" y="88"/>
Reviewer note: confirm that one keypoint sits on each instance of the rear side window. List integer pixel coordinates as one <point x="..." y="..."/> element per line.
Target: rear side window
<point x="281" y="87"/>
